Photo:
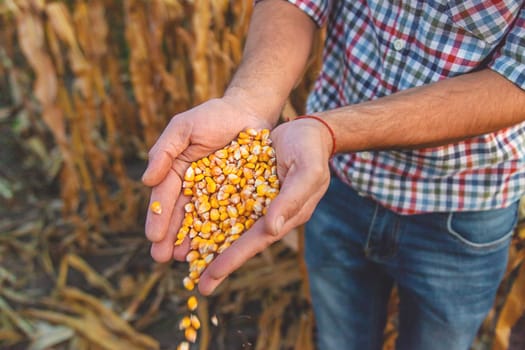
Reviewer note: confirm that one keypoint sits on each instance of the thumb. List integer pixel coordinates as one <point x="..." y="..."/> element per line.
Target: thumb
<point x="172" y="142"/>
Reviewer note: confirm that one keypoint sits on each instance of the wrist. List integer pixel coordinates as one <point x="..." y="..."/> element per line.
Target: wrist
<point x="326" y="130"/>
<point x="257" y="106"/>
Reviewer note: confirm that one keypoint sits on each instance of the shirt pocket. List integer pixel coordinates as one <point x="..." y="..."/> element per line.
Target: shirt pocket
<point x="487" y="20"/>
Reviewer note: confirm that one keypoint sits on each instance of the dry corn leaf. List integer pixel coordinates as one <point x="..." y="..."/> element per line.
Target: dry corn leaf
<point x="47" y="336"/>
<point x="109" y="318"/>
<point x="91" y="276"/>
<point x="88" y="326"/>
<point x="17" y="320"/>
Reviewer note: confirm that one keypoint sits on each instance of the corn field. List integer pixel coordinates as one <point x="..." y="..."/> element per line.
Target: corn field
<point x="86" y="88"/>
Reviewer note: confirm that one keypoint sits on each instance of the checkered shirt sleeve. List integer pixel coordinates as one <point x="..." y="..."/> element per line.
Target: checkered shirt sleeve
<point x="509" y="61"/>
<point x="317" y="10"/>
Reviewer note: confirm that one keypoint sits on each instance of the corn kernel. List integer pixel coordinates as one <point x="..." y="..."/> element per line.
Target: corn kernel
<point x="156" y="208"/>
<point x="183" y="346"/>
<point x="192" y="255"/>
<point x="188" y="283"/>
<point x="195" y="323"/>
<point x="214" y="215"/>
<point x="192" y="303"/>
<point x="184" y="323"/>
<point x="214" y="320"/>
<point x="190" y="174"/>
<point x="190" y="334"/>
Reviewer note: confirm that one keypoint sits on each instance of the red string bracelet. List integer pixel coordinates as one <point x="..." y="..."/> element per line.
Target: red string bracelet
<point x="325" y="124"/>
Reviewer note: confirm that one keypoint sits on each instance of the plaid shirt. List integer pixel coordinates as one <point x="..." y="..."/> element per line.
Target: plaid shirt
<point x="375" y="48"/>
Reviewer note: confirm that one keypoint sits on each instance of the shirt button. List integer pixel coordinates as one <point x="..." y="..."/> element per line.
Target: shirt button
<point x="366" y="155"/>
<point x="399" y="44"/>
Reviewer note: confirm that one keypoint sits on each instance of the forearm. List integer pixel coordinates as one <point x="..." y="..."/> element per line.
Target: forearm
<point x="275" y="55"/>
<point x="436" y="114"/>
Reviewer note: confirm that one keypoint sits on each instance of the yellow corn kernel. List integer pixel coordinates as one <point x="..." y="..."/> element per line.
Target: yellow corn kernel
<point x="189" y="175"/>
<point x="188" y="207"/>
<point x="223" y="247"/>
<point x="214" y="202"/>
<point x="192" y="255"/>
<point x="250" y="203"/>
<point x="188" y="219"/>
<point x="232" y="211"/>
<point x="188" y="283"/>
<point x="262" y="190"/>
<point x="192" y="303"/>
<point x="214" y="214"/>
<point x="211" y="186"/>
<point x="156" y="208"/>
<point x="184" y="323"/>
<point x="265" y="134"/>
<point x="252" y="132"/>
<point x="222" y="195"/>
<point x="203" y="207"/>
<point x="228" y="189"/>
<point x="219" y="238"/>
<point x="237" y="228"/>
<point x="183" y="346"/>
<point x="195" y="323"/>
<point x="240" y="208"/>
<point x="234" y="179"/>
<point x="224" y="216"/>
<point x="187" y="192"/>
<point x="190" y="334"/>
<point x="222" y="154"/>
<point x="194" y="276"/>
<point x="249" y="223"/>
<point x="195" y="243"/>
<point x="199" y="177"/>
<point x="229" y="169"/>
<point x="206" y="227"/>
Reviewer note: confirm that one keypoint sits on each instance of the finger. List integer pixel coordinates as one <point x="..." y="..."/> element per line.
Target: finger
<point x="173" y="141"/>
<point x="299" y="187"/>
<point x="180" y="251"/>
<point x="166" y="193"/>
<point x="250" y="243"/>
<point x="162" y="251"/>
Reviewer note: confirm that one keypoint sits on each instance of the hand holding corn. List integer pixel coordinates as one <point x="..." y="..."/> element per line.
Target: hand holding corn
<point x="302" y="149"/>
<point x="188" y="137"/>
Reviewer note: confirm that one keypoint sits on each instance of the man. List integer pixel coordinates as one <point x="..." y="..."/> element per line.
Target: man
<point x="423" y="104"/>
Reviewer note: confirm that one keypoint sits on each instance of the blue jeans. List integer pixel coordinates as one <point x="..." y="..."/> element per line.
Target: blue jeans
<point x="447" y="267"/>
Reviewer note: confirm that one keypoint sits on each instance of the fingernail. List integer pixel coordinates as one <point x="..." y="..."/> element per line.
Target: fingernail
<point x="279" y="223"/>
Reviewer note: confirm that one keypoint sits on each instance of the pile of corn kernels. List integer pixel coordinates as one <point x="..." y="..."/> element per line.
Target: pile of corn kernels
<point x="230" y="189"/>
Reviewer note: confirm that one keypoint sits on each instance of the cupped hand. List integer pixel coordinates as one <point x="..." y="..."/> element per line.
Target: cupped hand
<point x="188" y="137"/>
<point x="303" y="149"/>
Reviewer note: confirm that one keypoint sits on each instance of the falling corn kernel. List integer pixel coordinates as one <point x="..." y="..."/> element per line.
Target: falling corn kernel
<point x="188" y="283"/>
<point x="195" y="322"/>
<point x="156" y="207"/>
<point x="183" y="346"/>
<point x="190" y="334"/>
<point x="192" y="303"/>
<point x="185" y="323"/>
<point x="214" y="320"/>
